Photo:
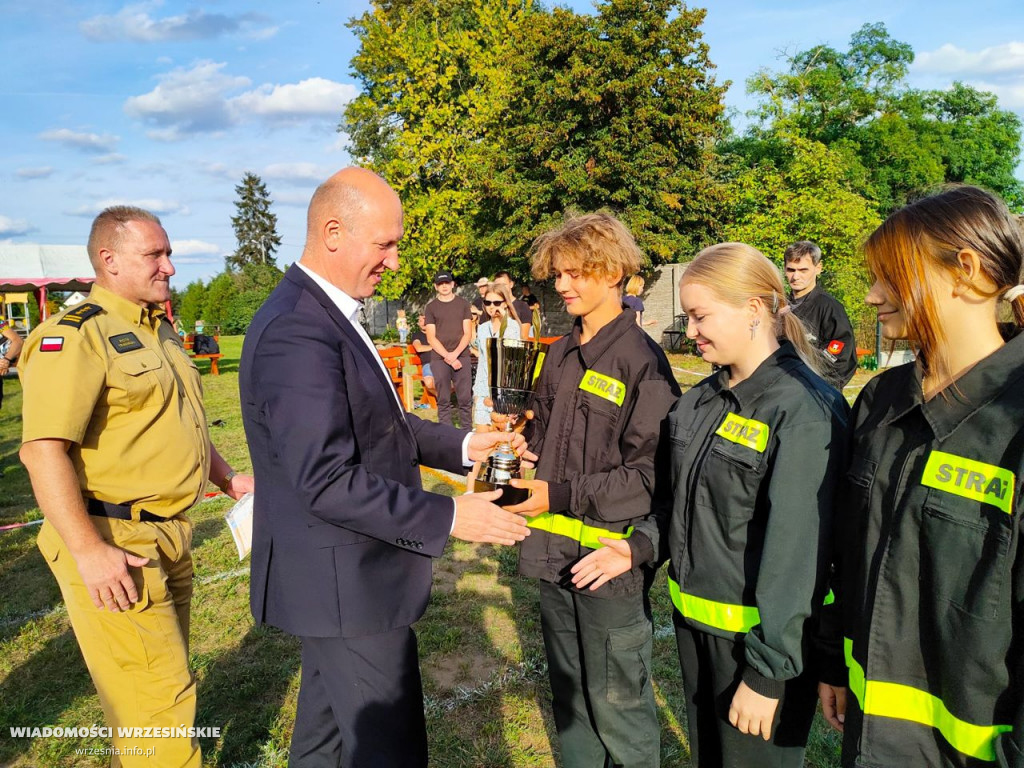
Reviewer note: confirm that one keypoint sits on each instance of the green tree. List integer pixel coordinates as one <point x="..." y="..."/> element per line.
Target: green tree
<point x="219" y="295"/>
<point x="253" y="284"/>
<point x="255" y="225"/>
<point x="432" y="82"/>
<point x="617" y="110"/>
<point x="905" y="140"/>
<point x="190" y="304"/>
<point x="807" y="196"/>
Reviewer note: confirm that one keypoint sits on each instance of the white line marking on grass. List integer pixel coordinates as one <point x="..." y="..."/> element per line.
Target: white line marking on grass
<point x="524" y="671"/>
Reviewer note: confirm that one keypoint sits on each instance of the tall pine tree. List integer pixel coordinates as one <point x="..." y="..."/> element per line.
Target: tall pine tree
<point x="255" y="226"/>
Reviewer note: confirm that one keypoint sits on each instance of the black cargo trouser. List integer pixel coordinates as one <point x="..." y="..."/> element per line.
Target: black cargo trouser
<point x="599" y="662"/>
<point x="712" y="667"/>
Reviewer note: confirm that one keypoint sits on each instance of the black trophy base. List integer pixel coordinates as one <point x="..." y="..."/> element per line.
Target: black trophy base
<point x="509" y="494"/>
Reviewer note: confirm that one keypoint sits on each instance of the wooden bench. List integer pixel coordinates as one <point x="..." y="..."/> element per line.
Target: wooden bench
<point x="427" y="397"/>
<point x="394" y="361"/>
<point x="213" y="357"/>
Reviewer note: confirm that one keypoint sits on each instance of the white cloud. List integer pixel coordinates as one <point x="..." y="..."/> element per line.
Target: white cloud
<point x="188" y="100"/>
<point x="134" y="22"/>
<point x="196" y="252"/>
<point x="1006" y="58"/>
<point x="204" y="99"/>
<point x="1010" y="95"/>
<point x="14" y="227"/>
<point x="87" y="142"/>
<point x="112" y="159"/>
<point x="34" y="173"/>
<point x="154" y="205"/>
<point x="300" y="172"/>
<point x="315" y="97"/>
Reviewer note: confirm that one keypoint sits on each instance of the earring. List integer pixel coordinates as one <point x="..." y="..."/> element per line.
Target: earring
<point x="753" y="326"/>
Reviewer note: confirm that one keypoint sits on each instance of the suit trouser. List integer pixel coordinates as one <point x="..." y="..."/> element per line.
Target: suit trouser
<point x="138" y="659"/>
<point x="446" y="378"/>
<point x="360" y="703"/>
<point x="712" y="667"/>
<point x="599" y="662"/>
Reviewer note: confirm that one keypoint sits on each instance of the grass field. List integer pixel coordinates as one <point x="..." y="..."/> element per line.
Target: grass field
<point x="482" y="655"/>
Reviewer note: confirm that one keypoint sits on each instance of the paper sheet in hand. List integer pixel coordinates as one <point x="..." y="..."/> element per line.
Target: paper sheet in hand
<point x="239" y="520"/>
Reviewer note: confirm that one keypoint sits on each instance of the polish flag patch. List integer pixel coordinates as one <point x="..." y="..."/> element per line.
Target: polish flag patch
<point x="51" y="344"/>
<point x="835" y="347"/>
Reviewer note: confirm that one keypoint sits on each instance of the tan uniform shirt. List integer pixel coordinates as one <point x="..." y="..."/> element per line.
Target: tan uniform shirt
<point x="121" y="388"/>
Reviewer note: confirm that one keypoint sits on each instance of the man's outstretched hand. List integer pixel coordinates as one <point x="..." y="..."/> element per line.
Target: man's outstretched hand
<point x="479" y="519"/>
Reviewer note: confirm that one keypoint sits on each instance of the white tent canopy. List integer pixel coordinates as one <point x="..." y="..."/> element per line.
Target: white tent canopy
<point x="54" y="267"/>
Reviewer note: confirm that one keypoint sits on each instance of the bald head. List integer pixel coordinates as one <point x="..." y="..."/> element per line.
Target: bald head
<point x="353" y="227"/>
<point x="345" y="196"/>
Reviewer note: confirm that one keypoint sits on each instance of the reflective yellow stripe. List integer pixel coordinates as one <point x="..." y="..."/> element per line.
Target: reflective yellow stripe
<point x="748" y="432"/>
<point x="574" y="529"/>
<point x="604" y="386"/>
<point x="904" y="702"/>
<point x="731" y="618"/>
<point x="830" y="598"/>
<point x="971" y="479"/>
<point x="538" y="365"/>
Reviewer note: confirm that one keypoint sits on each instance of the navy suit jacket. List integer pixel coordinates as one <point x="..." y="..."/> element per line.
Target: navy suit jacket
<point x="343" y="533"/>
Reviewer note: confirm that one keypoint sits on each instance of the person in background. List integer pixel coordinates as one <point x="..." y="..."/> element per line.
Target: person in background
<point x="423" y="351"/>
<point x="449" y="331"/>
<point x="481" y="286"/>
<point x="523" y="310"/>
<point x="402" y="325"/>
<point x="116" y="446"/>
<point x="923" y="661"/>
<point x="745" y="515"/>
<point x="599" y="407"/>
<point x="501" y="323"/>
<point x="828" y="325"/>
<point x="632" y="300"/>
<point x="10" y="347"/>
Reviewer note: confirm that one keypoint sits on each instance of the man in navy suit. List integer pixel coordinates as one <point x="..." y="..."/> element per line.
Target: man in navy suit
<point x="343" y="533"/>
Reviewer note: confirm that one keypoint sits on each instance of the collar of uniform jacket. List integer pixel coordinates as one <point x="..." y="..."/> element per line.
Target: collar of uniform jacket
<point x="976" y="388"/>
<point x="592" y="351"/>
<point x="778" y="364"/>
<point x="134" y="313"/>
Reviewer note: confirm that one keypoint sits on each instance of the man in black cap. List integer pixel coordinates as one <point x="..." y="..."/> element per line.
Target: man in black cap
<point x="449" y="331"/>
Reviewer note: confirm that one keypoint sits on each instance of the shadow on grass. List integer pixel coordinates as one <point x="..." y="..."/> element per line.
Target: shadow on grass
<point x="243" y="692"/>
<point x="207" y="529"/>
<point x="39" y="691"/>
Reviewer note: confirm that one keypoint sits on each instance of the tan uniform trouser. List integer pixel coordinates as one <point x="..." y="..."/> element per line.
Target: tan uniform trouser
<point x="138" y="659"/>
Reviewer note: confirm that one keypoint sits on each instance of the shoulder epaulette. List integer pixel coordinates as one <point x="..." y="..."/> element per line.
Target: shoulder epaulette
<point x="78" y="315"/>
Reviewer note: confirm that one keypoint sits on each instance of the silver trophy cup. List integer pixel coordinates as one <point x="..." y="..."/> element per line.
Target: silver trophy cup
<point x="512" y="367"/>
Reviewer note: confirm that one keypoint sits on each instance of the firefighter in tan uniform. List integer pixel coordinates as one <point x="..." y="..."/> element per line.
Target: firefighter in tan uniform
<point x="116" y="446"/>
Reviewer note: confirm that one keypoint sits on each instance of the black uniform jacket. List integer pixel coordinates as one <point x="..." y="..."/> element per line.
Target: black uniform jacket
<point x="599" y="410"/>
<point x="930" y="569"/>
<point x="754" y="470"/>
<point x="831" y="333"/>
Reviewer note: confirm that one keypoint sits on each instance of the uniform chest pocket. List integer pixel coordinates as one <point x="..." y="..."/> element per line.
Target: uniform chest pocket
<point x="732" y="477"/>
<point x="965" y="554"/>
<point x="142" y="376"/>
<point x="600" y="440"/>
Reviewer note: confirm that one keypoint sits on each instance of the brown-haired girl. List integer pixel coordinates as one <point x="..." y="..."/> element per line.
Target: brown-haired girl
<point x="930" y="573"/>
<point x="745" y="517"/>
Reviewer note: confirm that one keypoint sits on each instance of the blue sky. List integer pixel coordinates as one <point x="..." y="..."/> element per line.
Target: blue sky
<point x="167" y="104"/>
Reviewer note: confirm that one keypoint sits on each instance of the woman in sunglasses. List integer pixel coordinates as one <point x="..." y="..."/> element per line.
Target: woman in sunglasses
<point x="498" y="308"/>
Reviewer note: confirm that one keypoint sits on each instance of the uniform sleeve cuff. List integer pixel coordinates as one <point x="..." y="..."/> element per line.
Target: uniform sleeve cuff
<point x="640" y="548"/>
<point x="559" y="496"/>
<point x="765" y="686"/>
